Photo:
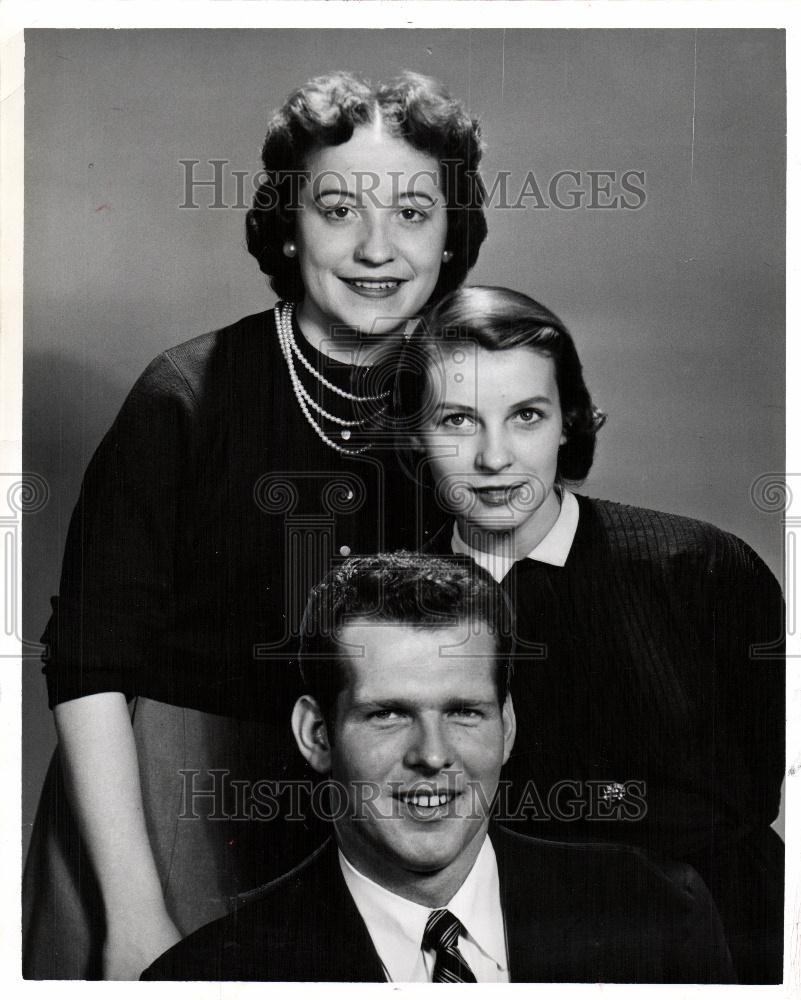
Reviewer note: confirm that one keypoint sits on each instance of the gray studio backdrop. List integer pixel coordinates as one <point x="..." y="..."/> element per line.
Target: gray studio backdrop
<point x="677" y="305"/>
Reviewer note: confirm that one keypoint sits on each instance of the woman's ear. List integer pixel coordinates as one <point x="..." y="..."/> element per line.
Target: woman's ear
<point x="310" y="733"/>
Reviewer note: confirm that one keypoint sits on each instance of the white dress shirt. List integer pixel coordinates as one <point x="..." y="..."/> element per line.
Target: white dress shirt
<point x="396" y="925"/>
<point x="554" y="548"/>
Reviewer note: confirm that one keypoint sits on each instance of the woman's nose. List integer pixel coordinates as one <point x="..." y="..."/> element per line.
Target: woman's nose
<point x="493" y="453"/>
<point x="429" y="750"/>
<point x="375" y="245"/>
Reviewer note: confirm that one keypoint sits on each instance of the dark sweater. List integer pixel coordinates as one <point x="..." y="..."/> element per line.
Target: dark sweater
<point x="655" y="656"/>
<point x="207" y="513"/>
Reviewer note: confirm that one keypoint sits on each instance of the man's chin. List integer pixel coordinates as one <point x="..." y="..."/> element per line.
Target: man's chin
<point x="427" y="865"/>
<point x="425" y="859"/>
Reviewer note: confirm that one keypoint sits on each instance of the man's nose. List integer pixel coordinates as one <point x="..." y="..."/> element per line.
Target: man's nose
<point x="430" y="749"/>
<point x="493" y="453"/>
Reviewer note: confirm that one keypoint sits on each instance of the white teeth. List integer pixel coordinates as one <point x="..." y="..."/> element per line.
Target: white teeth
<point x="428" y="801"/>
<point x="376" y="284"/>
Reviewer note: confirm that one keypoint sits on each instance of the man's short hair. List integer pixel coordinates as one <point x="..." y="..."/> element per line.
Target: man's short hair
<point x="403" y="588"/>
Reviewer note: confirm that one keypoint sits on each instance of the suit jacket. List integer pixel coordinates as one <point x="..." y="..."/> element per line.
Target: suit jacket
<point x="572" y="912"/>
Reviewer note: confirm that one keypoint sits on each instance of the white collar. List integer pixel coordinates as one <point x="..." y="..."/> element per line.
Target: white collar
<point x="553" y="549"/>
<point x="396" y="925"/>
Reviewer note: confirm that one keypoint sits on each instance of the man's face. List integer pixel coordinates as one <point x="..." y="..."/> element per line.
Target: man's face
<point x="419" y="741"/>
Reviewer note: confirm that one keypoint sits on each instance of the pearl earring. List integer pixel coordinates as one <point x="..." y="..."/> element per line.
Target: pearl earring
<point x="447" y="256"/>
<point x="290" y="250"/>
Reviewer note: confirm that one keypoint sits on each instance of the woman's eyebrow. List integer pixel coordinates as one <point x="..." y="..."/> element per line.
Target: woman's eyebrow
<point x="413" y="197"/>
<point x="416" y="196"/>
<point x="531" y="401"/>
<point x="336" y="192"/>
<point x="461" y="407"/>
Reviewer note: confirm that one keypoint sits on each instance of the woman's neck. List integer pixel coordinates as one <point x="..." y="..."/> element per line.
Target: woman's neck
<point x="349" y="347"/>
<point x="519" y="542"/>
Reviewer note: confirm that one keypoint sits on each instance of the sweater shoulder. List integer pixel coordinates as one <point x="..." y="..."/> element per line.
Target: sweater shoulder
<point x="653" y="535"/>
<point x="219" y="353"/>
<point x="198" y="376"/>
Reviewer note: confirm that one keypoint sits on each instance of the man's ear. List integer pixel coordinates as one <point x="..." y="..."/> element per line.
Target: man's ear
<point x="310" y="733"/>
<point x="509" y="727"/>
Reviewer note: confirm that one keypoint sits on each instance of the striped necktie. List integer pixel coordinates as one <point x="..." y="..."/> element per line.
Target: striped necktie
<point x="442" y="937"/>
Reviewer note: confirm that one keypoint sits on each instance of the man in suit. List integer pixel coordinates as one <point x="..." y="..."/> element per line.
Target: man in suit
<point x="406" y="664"/>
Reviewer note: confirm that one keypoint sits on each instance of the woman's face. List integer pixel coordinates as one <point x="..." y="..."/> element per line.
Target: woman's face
<point x="370" y="235"/>
<point x="492" y="434"/>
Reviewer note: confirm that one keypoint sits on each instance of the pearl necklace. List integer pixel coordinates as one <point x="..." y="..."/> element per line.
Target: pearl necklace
<point x="283" y="312"/>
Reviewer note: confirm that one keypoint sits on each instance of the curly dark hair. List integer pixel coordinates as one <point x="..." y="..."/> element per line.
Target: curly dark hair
<point x="499" y="319"/>
<point x="404" y="588"/>
<point x="325" y="112"/>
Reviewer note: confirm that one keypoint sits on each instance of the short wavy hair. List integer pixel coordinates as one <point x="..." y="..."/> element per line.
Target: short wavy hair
<point x="324" y="112"/>
<point x="499" y="319"/>
<point x="403" y="588"/>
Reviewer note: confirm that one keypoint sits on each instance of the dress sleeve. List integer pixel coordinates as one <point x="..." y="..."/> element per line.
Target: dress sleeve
<point x="116" y="599"/>
<point x="747" y="617"/>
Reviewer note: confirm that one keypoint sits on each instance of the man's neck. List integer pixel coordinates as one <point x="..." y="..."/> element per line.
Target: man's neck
<point x="433" y="889"/>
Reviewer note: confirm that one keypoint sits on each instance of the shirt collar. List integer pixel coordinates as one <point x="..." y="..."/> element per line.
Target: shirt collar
<point x="396" y="925"/>
<point x="553" y="549"/>
<point x="477" y="904"/>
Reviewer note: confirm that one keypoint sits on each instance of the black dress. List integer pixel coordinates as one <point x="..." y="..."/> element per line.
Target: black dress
<point x="206" y="514"/>
<point x="649" y="692"/>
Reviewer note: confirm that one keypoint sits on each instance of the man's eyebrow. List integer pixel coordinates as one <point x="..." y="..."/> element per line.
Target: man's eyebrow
<point x="383" y="703"/>
<point x="458" y="701"/>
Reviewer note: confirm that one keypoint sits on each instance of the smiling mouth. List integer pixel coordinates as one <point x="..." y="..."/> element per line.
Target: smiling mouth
<point x="423" y="801"/>
<point x="374" y="288"/>
<point x="497" y="496"/>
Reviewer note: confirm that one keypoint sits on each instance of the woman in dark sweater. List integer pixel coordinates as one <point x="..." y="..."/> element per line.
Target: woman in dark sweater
<point x="649" y="672"/>
<point x="240" y="464"/>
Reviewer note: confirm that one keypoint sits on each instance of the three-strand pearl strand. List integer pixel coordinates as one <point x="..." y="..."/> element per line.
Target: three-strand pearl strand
<point x="283" y="321"/>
